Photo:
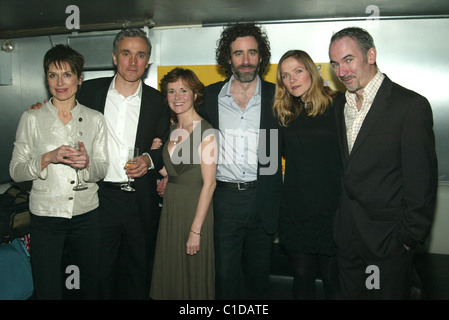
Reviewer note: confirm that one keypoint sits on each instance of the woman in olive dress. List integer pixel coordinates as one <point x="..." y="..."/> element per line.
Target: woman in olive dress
<point x="184" y="259"/>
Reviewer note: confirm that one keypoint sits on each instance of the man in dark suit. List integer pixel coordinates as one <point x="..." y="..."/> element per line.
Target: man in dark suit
<point x="135" y="114"/>
<point x="390" y="172"/>
<point x="246" y="200"/>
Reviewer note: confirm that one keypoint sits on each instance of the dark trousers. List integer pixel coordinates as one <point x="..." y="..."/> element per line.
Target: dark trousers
<point x="242" y="246"/>
<point x="309" y="267"/>
<point x="358" y="273"/>
<point x="57" y="243"/>
<point x="123" y="265"/>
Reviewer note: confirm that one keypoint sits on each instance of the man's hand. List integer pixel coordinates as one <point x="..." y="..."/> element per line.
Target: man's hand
<point x="37" y="105"/>
<point x="138" y="169"/>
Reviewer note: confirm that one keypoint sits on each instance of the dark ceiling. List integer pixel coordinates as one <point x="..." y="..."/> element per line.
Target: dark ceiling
<point x="21" y="18"/>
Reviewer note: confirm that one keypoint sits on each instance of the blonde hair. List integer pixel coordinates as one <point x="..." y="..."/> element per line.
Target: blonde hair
<point x="286" y="107"/>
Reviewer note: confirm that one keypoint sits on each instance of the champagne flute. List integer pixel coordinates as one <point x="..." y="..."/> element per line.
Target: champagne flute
<point x="80" y="185"/>
<point x="130" y="160"/>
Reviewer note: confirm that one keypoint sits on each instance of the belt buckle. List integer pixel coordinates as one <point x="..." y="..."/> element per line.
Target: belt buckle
<point x="242" y="187"/>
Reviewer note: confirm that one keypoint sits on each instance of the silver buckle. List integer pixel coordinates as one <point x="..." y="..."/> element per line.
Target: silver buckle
<point x="240" y="188"/>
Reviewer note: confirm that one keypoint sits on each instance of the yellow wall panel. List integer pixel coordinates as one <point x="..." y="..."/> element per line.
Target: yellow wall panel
<point x="212" y="73"/>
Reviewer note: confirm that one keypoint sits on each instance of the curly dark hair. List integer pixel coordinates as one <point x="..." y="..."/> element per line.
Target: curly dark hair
<point x="236" y="30"/>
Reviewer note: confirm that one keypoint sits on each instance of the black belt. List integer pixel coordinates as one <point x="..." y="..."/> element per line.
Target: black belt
<point x="237" y="185"/>
<point x="115" y="185"/>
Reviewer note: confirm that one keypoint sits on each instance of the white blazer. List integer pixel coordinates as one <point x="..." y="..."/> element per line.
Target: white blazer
<point x="41" y="131"/>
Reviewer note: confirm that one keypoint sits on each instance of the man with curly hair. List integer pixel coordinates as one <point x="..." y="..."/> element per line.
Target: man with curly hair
<point x="246" y="200"/>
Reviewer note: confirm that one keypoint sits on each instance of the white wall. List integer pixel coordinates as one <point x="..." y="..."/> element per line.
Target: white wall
<point x="438" y="241"/>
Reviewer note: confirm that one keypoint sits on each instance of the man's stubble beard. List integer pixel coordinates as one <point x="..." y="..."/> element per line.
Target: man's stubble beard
<point x="245" y="76"/>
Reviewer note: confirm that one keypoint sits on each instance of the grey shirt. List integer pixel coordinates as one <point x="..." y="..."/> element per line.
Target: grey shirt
<point x="239" y="136"/>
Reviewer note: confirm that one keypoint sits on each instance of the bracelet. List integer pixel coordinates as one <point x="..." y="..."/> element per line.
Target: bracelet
<point x="197" y="233"/>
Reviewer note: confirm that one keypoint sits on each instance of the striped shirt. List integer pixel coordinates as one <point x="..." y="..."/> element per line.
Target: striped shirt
<point x="353" y="117"/>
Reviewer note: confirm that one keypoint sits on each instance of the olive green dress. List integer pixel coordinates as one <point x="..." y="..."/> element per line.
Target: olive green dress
<point x="177" y="275"/>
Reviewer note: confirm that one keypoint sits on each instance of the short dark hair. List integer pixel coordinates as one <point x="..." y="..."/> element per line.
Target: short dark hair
<point x="131" y="33"/>
<point x="190" y="79"/>
<point x="63" y="53"/>
<point x="237" y="30"/>
<point x="363" y="39"/>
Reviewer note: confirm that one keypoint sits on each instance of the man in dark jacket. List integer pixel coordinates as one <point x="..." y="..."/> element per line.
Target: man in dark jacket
<point x="246" y="200"/>
<point x="389" y="178"/>
<point x="135" y="114"/>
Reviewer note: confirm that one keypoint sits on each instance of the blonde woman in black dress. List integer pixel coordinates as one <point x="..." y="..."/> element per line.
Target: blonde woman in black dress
<point x="303" y="106"/>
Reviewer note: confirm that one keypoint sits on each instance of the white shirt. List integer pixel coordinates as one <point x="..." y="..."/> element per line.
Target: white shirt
<point x="239" y="140"/>
<point x="122" y="118"/>
<point x="353" y="117"/>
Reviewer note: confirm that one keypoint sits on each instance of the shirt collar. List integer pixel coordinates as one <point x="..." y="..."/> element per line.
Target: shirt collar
<point x="369" y="93"/>
<point x="137" y="94"/>
<point x="54" y="110"/>
<point x="226" y="90"/>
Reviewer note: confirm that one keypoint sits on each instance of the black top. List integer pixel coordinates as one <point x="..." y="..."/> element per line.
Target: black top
<point x="311" y="184"/>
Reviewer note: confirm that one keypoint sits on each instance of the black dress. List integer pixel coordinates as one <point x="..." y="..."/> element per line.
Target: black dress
<point x="311" y="184"/>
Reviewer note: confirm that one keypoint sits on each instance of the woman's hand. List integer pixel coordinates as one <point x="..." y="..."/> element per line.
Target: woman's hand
<point x="157" y="143"/>
<point x="161" y="186"/>
<point x="193" y="243"/>
<point x="58" y="155"/>
<point x="67" y="155"/>
<point x="80" y="157"/>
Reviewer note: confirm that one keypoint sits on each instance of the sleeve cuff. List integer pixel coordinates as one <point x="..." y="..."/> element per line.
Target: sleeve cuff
<point x="152" y="164"/>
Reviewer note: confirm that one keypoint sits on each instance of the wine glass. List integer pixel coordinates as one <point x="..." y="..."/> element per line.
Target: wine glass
<point x="130" y="160"/>
<point x="80" y="185"/>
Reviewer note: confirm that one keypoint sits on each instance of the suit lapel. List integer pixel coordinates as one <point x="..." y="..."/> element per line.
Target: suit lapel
<point x="105" y="94"/>
<point x="214" y="111"/>
<point x="265" y="105"/>
<point x="372" y="118"/>
<point x="143" y="117"/>
<point x="341" y="127"/>
<point x="211" y="104"/>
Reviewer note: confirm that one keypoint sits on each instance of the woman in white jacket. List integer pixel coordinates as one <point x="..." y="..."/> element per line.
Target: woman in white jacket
<point x="63" y="220"/>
